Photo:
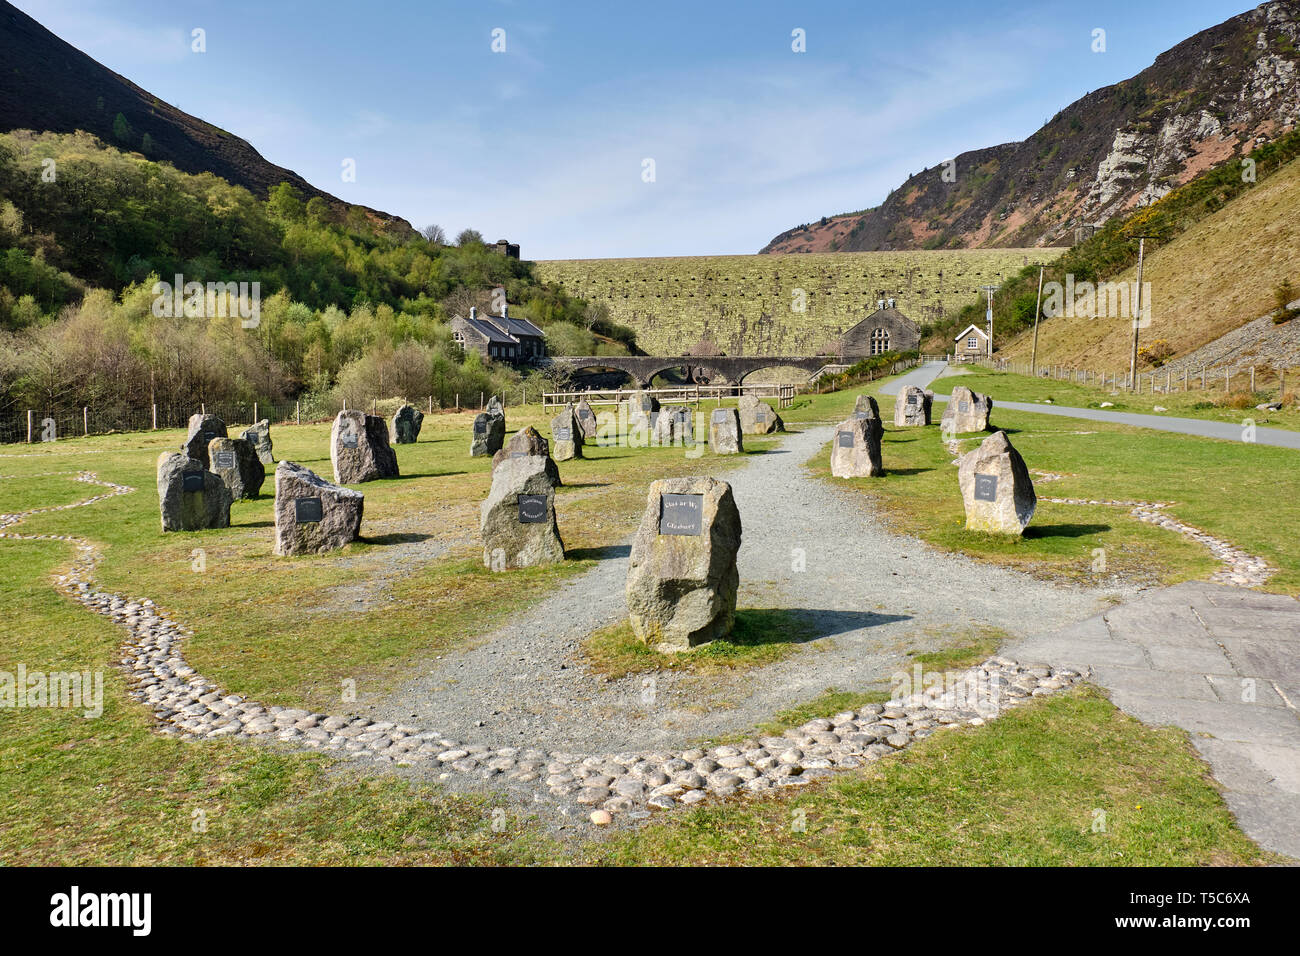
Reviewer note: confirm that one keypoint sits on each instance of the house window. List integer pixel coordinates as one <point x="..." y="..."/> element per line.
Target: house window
<point x="459" y="338"/>
<point x="972" y="343"/>
<point x="879" y="341"/>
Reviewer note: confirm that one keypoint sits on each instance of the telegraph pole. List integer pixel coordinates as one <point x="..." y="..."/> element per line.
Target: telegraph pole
<point x="988" y="316"/>
<point x="1038" y="304"/>
<point x="1137" y="318"/>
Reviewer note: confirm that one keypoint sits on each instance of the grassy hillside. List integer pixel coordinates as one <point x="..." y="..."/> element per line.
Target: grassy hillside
<point x="1217" y="275"/>
<point x="746" y="305"/>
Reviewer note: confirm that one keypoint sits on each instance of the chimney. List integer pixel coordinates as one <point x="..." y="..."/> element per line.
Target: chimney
<point x="505" y="307"/>
<point x="473" y="313"/>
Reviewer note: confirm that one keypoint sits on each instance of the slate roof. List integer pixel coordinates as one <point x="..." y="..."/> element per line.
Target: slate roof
<point x="490" y="331"/>
<point x="516" y="326"/>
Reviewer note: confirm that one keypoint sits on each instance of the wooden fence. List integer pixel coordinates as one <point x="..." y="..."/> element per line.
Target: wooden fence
<point x="1157" y="381"/>
<point x="677" y="395"/>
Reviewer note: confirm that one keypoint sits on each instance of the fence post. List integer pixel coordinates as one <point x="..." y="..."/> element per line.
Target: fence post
<point x="85" y="420"/>
<point x="458" y="401"/>
<point x="29" y="426"/>
<point x="255" y="418"/>
<point x="1281" y="385"/>
<point x="430" y="404"/>
<point x="155" y="416"/>
<point x="297" y="412"/>
<point x="203" y="408"/>
<point x="1252" y="380"/>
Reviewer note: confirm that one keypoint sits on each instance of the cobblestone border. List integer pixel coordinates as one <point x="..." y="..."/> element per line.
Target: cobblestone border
<point x="189" y="706"/>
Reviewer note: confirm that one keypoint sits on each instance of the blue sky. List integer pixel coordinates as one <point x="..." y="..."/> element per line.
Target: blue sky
<point x="544" y="143"/>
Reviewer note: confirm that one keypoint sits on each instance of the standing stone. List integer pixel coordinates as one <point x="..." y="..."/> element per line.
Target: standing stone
<point x="912" y="407"/>
<point x="359" y="448"/>
<point x="867" y="410"/>
<point x="517" y="520"/>
<point x="967" y="411"/>
<point x="495" y="408"/>
<point x="405" y="426"/>
<point x="682" y="577"/>
<point x="489" y="434"/>
<point x="203" y="428"/>
<point x="312" y="515"/>
<point x="758" y="418"/>
<point x="260" y="436"/>
<point x="724" y="432"/>
<point x="641" y="409"/>
<point x="235" y="461"/>
<point x="189" y="496"/>
<point x="567" y="435"/>
<point x="528" y="442"/>
<point x="855" y="449"/>
<point x="996" y="488"/>
<point x="586" y="419"/>
<point x="672" y="427"/>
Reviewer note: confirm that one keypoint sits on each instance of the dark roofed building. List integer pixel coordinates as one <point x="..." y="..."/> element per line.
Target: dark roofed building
<point x="885" y="330"/>
<point x="499" y="337"/>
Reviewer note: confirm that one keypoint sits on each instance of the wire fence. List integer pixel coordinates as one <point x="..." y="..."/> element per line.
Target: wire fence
<point x="1262" y="379"/>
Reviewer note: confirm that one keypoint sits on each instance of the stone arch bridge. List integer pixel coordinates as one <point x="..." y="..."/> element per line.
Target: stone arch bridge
<point x="718" y="370"/>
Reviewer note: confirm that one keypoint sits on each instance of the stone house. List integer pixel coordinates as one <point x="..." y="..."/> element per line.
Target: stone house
<point x="499" y="337"/>
<point x="885" y="330"/>
<point x="973" y="343"/>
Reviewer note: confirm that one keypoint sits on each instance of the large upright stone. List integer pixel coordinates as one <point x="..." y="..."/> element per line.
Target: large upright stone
<point x="672" y="427"/>
<point x="495" y="408"/>
<point x="996" y="488"/>
<point x="203" y="428"/>
<point x="405" y="426"/>
<point x="682" y="577"/>
<point x="260" y="436"/>
<point x="311" y="514"/>
<point x="912" y="407"/>
<point x="488" y="436"/>
<point x="641" y="408"/>
<point x="517" y="520"/>
<point x="724" y="432"/>
<point x="967" y="411"/>
<point x="586" y="420"/>
<point x="855" y="449"/>
<point x="190" y="497"/>
<point x="567" y="435"/>
<point x="758" y="417"/>
<point x="867" y="410"/>
<point x="359" y="448"/>
<point x="528" y="442"/>
<point x="235" y="461"/>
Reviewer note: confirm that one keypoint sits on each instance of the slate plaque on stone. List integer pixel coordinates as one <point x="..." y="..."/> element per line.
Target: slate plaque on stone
<point x="963" y="406"/>
<point x="912" y="397"/>
<point x="532" y="509"/>
<point x="986" y="487"/>
<point x="224" y="459"/>
<point x="720" y="415"/>
<point x="586" y="413"/>
<point x="193" y="481"/>
<point x="519" y="454"/>
<point x="861" y="415"/>
<point x="846" y="439"/>
<point x="760" y="415"/>
<point x="681" y="514"/>
<point x="564" y="434"/>
<point x="208" y="436"/>
<point x="307" y="510"/>
<point x="480" y="426"/>
<point x="348" y="439"/>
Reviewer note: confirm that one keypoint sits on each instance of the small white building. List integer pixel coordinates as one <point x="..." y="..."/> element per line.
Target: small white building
<point x="973" y="343"/>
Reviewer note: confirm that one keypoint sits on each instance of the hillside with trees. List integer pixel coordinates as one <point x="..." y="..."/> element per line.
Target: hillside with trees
<point x="352" y="306"/>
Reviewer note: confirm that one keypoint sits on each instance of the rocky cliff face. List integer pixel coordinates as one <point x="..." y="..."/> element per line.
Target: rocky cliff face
<point x="1209" y="100"/>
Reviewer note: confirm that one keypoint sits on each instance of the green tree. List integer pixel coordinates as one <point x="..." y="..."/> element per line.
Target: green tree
<point x="121" y="128"/>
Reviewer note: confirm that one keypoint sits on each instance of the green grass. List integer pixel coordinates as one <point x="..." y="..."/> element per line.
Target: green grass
<point x="1024" y="790"/>
<point x="968" y="649"/>
<point x="1010" y="387"/>
<point x="1246" y="493"/>
<point x="113" y="791"/>
<point x="759" y="637"/>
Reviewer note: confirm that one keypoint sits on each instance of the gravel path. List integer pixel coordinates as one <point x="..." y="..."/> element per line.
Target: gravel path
<point x="871" y="595"/>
